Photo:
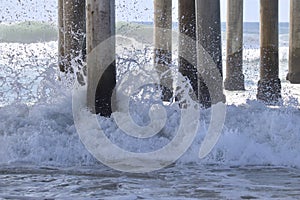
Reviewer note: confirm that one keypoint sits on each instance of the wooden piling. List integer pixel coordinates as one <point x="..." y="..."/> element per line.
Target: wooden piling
<point x="61" y="35"/>
<point x="163" y="45"/>
<point x="269" y="85"/>
<point x="294" y="50"/>
<point x="69" y="47"/>
<point x="234" y="61"/>
<point x="187" y="26"/>
<point x="100" y="29"/>
<point x="209" y="50"/>
<point x="74" y="20"/>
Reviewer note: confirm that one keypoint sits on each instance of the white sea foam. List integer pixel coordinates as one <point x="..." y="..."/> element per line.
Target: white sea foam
<point x="254" y="134"/>
<point x="40" y="129"/>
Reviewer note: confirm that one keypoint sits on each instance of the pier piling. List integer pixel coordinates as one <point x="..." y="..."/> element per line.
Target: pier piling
<point x="74" y="23"/>
<point x="200" y="51"/>
<point x="209" y="48"/>
<point x="163" y="45"/>
<point x="187" y="26"/>
<point x="294" y="50"/>
<point x="101" y="71"/>
<point x="269" y="85"/>
<point x="61" y="35"/>
<point x="234" y="58"/>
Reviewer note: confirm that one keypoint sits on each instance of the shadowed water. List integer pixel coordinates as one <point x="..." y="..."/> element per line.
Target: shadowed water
<point x="175" y="182"/>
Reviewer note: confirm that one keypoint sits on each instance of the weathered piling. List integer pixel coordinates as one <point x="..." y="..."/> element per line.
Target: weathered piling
<point x="269" y="86"/>
<point x="187" y="48"/>
<point x="234" y="59"/>
<point x="163" y="45"/>
<point x="294" y="50"/>
<point x="101" y="50"/>
<point x="61" y="35"/>
<point x="74" y="20"/>
<point x="209" y="52"/>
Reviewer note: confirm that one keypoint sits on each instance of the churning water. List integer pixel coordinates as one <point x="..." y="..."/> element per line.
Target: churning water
<point x="42" y="157"/>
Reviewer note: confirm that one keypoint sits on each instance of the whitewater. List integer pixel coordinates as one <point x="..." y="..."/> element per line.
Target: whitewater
<point x="42" y="157"/>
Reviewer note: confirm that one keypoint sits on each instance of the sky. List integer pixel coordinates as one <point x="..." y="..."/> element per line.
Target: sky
<point x="144" y="10"/>
<point x="127" y="10"/>
<point x="251" y="10"/>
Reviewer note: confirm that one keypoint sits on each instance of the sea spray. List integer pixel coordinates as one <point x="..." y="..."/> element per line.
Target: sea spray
<point x="37" y="127"/>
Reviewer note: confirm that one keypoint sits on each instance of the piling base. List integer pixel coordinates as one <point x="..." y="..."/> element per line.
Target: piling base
<point x="235" y="83"/>
<point x="294" y="78"/>
<point x="235" y="79"/>
<point x="189" y="71"/>
<point x="269" y="91"/>
<point x="212" y="95"/>
<point x="167" y="94"/>
<point x="204" y="97"/>
<point x="104" y="92"/>
<point x="166" y="77"/>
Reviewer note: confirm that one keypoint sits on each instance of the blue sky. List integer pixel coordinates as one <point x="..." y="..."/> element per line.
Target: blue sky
<point x="131" y="10"/>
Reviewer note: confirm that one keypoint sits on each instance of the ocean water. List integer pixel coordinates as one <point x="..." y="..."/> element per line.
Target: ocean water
<point x="42" y="157"/>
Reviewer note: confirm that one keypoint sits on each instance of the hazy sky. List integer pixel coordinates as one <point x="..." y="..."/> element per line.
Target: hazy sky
<point x="143" y="9"/>
<point x="131" y="10"/>
<point x="251" y="10"/>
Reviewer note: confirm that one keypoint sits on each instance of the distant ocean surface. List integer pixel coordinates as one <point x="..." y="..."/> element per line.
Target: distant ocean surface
<point x="29" y="32"/>
<point x="249" y="27"/>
